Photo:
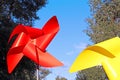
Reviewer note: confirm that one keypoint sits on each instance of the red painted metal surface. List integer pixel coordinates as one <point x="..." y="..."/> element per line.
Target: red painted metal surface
<point x="32" y="43"/>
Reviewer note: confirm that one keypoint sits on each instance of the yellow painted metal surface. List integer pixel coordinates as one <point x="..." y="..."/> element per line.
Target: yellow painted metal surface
<point x="106" y="53"/>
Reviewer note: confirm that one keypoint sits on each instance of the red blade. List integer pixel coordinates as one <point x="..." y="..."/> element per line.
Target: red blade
<point x="32" y="32"/>
<point x="42" y="58"/>
<point x="17" y="29"/>
<point x="13" y="58"/>
<point x="15" y="53"/>
<point x="43" y="41"/>
<point x="50" y="30"/>
<point x="51" y="26"/>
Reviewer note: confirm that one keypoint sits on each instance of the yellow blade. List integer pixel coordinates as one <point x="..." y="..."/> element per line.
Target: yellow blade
<point x="86" y="59"/>
<point x="112" y="68"/>
<point x="94" y="55"/>
<point x="111" y="45"/>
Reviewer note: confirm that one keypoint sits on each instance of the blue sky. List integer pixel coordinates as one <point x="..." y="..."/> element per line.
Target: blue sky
<point x="71" y="39"/>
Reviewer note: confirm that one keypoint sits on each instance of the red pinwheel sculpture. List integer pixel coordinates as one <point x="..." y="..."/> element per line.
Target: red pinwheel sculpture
<point x="32" y="43"/>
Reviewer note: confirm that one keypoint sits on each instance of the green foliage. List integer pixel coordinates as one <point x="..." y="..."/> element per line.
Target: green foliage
<point x="104" y="23"/>
<point x="19" y="11"/>
<point x="13" y="12"/>
<point x="43" y="73"/>
<point x="94" y="73"/>
<point x="105" y="20"/>
<point x="60" y="78"/>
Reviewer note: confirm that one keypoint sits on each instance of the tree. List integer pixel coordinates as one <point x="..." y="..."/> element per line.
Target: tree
<point x="94" y="73"/>
<point x="13" y="12"/>
<point x="105" y="20"/>
<point x="80" y="76"/>
<point x="60" y="78"/>
<point x="104" y="23"/>
<point x="43" y="73"/>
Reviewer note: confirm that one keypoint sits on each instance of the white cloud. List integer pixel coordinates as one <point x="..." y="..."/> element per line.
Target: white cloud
<point x="76" y="49"/>
<point x="70" y="53"/>
<point x="80" y="46"/>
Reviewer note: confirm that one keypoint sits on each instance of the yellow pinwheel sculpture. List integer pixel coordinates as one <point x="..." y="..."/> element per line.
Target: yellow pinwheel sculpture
<point x="106" y="53"/>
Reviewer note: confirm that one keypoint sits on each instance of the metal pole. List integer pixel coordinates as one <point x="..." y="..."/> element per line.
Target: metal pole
<point x="37" y="67"/>
<point x="37" y="73"/>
